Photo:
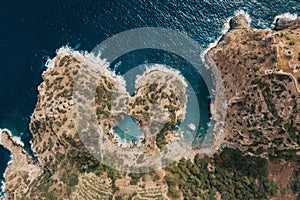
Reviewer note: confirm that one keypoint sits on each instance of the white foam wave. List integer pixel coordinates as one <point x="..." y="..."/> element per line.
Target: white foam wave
<point x="97" y="60"/>
<point x="50" y="63"/>
<point x="2" y="190"/>
<point x="15" y="139"/>
<point x="91" y="60"/>
<point x="154" y="67"/>
<point x="64" y="50"/>
<point x="102" y="65"/>
<point x="242" y="12"/>
<point x="68" y="50"/>
<point x="225" y="29"/>
<point x="291" y="16"/>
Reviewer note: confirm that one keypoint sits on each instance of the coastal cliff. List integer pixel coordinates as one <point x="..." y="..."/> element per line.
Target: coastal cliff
<point x="261" y="85"/>
<point x="21" y="165"/>
<point x="263" y="114"/>
<point x="260" y="71"/>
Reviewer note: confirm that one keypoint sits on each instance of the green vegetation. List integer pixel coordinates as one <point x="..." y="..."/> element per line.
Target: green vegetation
<point x="292" y="43"/>
<point x="77" y="160"/>
<point x="64" y="61"/>
<point x="276" y="155"/>
<point x="135" y="177"/>
<point x="73" y="180"/>
<point x="233" y="159"/>
<point x="234" y="176"/>
<point x="282" y="78"/>
<point x="80" y="157"/>
<point x="230" y="173"/>
<point x="118" y="198"/>
<point x="268" y="97"/>
<point x="262" y="60"/>
<point x="155" y="177"/>
<point x="153" y="87"/>
<point x="274" y="59"/>
<point x="161" y="141"/>
<point x="295" y="186"/>
<point x="113" y="174"/>
<point x="103" y="98"/>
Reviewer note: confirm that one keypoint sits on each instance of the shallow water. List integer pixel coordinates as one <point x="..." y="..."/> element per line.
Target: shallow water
<point x="128" y="129"/>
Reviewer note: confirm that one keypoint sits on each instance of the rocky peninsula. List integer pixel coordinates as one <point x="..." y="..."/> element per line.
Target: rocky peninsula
<point x="21" y="165"/>
<point x="260" y="72"/>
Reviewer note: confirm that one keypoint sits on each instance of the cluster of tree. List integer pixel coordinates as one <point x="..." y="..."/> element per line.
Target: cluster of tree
<point x="80" y="157"/>
<point x="84" y="161"/>
<point x="161" y="141"/>
<point x="231" y="174"/>
<point x="64" y="60"/>
<point x="135" y="177"/>
<point x="276" y="155"/>
<point x="295" y="186"/>
<point x="233" y="159"/>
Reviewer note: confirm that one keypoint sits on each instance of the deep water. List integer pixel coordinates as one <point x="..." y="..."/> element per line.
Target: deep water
<point x="32" y="30"/>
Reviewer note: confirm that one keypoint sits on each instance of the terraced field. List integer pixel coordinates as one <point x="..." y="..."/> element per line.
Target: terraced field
<point x="143" y="190"/>
<point x="92" y="187"/>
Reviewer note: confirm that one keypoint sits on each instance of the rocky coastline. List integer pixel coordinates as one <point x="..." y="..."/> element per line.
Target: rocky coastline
<point x="52" y="126"/>
<point x="21" y="164"/>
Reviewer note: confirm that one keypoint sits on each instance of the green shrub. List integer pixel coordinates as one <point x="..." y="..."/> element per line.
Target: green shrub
<point x="73" y="180"/>
<point x="292" y="43"/>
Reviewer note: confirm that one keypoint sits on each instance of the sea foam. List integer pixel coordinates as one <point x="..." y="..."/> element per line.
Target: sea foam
<point x="64" y="50"/>
<point x="225" y="29"/>
<point x="50" y="63"/>
<point x="163" y="68"/>
<point x="2" y="189"/>
<point x="15" y="139"/>
<point x="291" y="16"/>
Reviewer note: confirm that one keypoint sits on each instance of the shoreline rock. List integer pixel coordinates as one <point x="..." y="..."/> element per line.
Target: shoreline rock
<point x="238" y="22"/>
<point x="21" y="164"/>
<point x="286" y="23"/>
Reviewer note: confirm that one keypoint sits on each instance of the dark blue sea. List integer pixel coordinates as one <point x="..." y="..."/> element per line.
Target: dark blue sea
<point x="31" y="31"/>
